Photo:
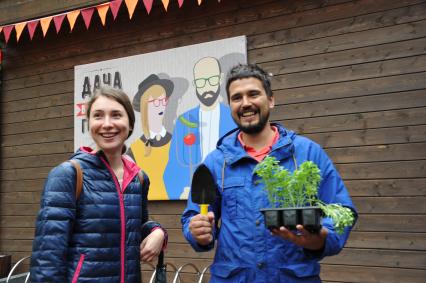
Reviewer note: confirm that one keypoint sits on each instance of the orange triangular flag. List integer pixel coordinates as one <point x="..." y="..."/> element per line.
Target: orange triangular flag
<point x="102" y="11"/>
<point x="19" y="28"/>
<point x="165" y="4"/>
<point x="45" y="22"/>
<point x="148" y="5"/>
<point x="72" y="17"/>
<point x="131" y="5"/>
<point x="1" y="28"/>
<point x="199" y="2"/>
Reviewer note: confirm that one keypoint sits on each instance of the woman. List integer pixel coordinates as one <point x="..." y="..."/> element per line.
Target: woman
<point x="153" y="146"/>
<point x="97" y="237"/>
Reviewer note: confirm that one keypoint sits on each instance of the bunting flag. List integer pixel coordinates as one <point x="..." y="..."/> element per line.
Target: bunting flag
<point x="19" y="28"/>
<point x="102" y="11"/>
<point x="45" y="22"/>
<point x="6" y="31"/>
<point x="87" y="16"/>
<point x="165" y="4"/>
<point x="32" y="27"/>
<point x="131" y="5"/>
<point x="58" y="20"/>
<point x="115" y="6"/>
<point x="148" y="5"/>
<point x="72" y="17"/>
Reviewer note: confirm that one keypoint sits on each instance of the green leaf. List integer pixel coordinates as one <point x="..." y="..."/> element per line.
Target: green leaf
<point x="300" y="188"/>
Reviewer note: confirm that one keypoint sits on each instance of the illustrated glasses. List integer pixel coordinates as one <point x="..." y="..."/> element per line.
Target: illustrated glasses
<point x="201" y="82"/>
<point x="159" y="101"/>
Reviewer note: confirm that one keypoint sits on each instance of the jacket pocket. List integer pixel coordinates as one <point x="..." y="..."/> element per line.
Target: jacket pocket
<point x="78" y="269"/>
<point x="228" y="272"/>
<point x="302" y="270"/>
<point x="232" y="197"/>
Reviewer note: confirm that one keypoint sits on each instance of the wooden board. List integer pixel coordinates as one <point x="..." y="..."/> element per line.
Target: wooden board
<point x="347" y="74"/>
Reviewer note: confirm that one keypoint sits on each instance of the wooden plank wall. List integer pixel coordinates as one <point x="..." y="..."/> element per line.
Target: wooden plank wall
<point x="348" y="74"/>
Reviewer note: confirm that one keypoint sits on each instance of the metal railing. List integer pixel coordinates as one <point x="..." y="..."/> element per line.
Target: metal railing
<point x="200" y="278"/>
<point x="181" y="268"/>
<point x="155" y="271"/>
<point x="176" y="270"/>
<point x="13" y="270"/>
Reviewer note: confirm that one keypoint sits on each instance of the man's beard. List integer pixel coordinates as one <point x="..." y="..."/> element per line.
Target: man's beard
<point x="208" y="101"/>
<point x="254" y="128"/>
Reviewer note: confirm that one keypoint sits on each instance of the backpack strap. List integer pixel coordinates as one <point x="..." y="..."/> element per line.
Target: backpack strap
<point x="140" y="176"/>
<point x="79" y="178"/>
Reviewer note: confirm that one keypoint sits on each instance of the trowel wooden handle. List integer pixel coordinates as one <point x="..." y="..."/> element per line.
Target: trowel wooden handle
<point x="204" y="208"/>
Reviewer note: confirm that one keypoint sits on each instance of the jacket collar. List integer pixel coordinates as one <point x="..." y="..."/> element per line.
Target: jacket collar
<point x="94" y="157"/>
<point x="233" y="150"/>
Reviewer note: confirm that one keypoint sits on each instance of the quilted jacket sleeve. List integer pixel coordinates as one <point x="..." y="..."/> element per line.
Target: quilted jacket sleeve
<point x="149" y="226"/>
<point x="145" y="189"/>
<point x="54" y="225"/>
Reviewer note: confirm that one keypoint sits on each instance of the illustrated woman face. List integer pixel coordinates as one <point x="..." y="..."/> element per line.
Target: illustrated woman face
<point x="156" y="102"/>
<point x="108" y="124"/>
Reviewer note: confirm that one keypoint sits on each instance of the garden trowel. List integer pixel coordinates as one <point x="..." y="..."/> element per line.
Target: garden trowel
<point x="203" y="189"/>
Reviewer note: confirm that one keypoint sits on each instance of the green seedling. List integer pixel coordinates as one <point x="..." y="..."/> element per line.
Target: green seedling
<point x="298" y="189"/>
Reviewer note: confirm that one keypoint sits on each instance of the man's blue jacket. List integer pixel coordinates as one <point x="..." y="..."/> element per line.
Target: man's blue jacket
<point x="246" y="251"/>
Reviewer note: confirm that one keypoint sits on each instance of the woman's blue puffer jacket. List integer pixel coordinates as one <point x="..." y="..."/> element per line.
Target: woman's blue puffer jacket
<point x="96" y="237"/>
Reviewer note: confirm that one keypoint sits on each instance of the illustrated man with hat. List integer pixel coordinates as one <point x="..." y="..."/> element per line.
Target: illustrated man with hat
<point x="151" y="150"/>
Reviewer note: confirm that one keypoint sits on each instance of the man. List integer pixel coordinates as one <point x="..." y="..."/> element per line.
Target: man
<point x="246" y="250"/>
<point x="197" y="130"/>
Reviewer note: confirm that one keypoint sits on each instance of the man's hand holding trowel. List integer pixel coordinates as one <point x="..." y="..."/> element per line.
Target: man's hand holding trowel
<point x="203" y="192"/>
<point x="201" y="227"/>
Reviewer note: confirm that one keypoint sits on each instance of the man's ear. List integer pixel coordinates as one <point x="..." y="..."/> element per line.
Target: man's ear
<point x="271" y="102"/>
<point x="221" y="78"/>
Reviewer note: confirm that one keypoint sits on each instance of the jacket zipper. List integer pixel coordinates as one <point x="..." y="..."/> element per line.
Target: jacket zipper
<point x="78" y="269"/>
<point x="123" y="222"/>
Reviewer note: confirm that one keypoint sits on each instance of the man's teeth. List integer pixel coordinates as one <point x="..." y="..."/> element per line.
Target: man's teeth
<point x="108" y="135"/>
<point x="246" y="114"/>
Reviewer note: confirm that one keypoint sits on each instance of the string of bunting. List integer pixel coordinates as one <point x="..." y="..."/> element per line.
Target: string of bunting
<point x="86" y="14"/>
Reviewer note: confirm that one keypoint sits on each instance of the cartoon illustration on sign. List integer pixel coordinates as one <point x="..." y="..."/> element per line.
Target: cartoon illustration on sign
<point x="197" y="131"/>
<point x="180" y="104"/>
<point x="151" y="150"/>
